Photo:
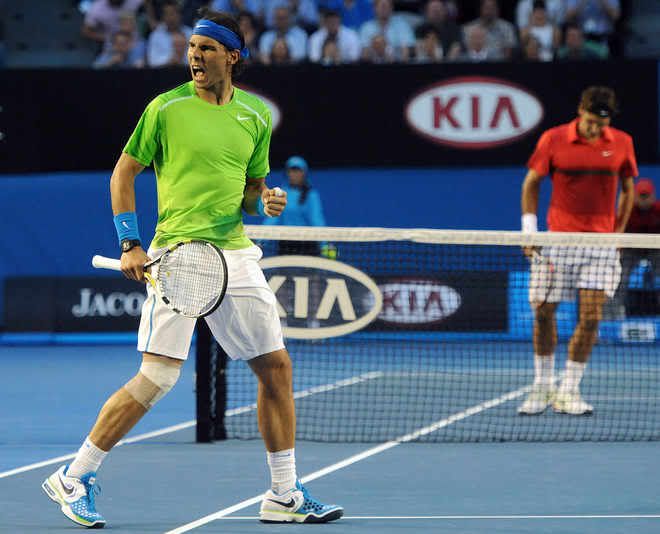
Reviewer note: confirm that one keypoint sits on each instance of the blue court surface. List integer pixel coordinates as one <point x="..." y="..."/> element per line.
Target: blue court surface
<point x="162" y="481"/>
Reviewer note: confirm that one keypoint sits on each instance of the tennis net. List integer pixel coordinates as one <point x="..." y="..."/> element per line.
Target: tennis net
<point x="426" y="335"/>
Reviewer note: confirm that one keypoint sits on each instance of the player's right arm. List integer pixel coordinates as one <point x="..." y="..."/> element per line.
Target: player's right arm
<point x="139" y="152"/>
<point x="530" y="193"/>
<point x="539" y="166"/>
<point x="122" y="193"/>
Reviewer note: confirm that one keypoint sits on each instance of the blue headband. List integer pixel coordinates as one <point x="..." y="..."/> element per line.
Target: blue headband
<point x="222" y="34"/>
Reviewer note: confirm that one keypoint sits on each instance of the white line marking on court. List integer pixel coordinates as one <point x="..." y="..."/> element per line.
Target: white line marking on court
<point x="187" y="424"/>
<point x="323" y="388"/>
<point x="473" y="410"/>
<point x="468" y="517"/>
<point x="139" y="437"/>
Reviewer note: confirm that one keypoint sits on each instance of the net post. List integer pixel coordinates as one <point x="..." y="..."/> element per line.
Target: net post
<point x="220" y="391"/>
<point x="203" y="363"/>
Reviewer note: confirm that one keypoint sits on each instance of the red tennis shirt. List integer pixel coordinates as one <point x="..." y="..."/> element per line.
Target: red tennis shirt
<point x="585" y="176"/>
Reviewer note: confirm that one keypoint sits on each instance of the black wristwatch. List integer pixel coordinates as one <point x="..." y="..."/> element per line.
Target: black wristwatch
<point x="128" y="244"/>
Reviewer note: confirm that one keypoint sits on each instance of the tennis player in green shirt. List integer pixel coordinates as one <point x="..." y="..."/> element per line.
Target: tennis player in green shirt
<point x="208" y="142"/>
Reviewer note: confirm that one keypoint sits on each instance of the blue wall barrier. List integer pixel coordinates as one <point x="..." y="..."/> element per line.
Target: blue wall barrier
<point x="52" y="224"/>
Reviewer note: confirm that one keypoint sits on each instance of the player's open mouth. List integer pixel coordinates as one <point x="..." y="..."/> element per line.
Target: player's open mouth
<point x="198" y="72"/>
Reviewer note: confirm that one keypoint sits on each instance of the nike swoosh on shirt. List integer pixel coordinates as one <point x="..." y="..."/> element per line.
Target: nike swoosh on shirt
<point x="289" y="504"/>
<point x="240" y="118"/>
<point x="607" y="153"/>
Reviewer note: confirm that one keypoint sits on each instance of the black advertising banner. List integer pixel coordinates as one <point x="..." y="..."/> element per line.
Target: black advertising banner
<point x="354" y="115"/>
<point x="467" y="301"/>
<point x="85" y="304"/>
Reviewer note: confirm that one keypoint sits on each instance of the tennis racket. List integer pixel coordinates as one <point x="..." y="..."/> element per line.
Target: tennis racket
<point x="190" y="277"/>
<point x="549" y="281"/>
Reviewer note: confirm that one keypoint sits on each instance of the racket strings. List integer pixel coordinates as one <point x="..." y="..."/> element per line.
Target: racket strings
<point x="191" y="278"/>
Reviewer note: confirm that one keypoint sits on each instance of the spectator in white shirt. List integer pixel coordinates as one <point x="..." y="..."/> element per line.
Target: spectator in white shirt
<point x="346" y="40"/>
<point x="555" y="9"/>
<point x="296" y="38"/>
<point x="547" y="34"/>
<point x="397" y="31"/>
<point x="102" y="19"/>
<point x="161" y="49"/>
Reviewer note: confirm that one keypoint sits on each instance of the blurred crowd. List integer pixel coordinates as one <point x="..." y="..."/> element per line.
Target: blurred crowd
<point x="155" y="33"/>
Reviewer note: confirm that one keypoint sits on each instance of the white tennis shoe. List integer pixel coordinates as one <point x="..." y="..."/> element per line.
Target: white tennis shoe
<point x="572" y="403"/>
<point x="75" y="497"/>
<point x="539" y="398"/>
<point x="296" y="506"/>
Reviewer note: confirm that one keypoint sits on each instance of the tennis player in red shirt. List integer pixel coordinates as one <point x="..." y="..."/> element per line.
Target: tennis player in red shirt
<point x="588" y="160"/>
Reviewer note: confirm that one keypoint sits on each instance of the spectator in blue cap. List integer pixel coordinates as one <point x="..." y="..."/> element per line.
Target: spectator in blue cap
<point x="303" y="209"/>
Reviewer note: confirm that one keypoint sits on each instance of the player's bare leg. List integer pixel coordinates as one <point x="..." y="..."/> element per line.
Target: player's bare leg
<point x="121" y="412"/>
<point x="276" y="414"/>
<point x="73" y="486"/>
<point x="545" y="341"/>
<point x="568" y="399"/>
<point x="287" y="500"/>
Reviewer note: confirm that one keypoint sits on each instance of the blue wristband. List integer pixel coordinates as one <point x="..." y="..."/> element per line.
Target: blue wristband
<point x="127" y="226"/>
<point x="260" y="207"/>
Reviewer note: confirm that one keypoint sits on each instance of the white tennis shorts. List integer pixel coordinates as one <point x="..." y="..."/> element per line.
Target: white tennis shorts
<point x="246" y="323"/>
<point x="573" y="268"/>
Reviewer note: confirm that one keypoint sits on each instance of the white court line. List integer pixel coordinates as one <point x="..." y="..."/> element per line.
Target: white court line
<point x="139" y="437"/>
<point x="187" y="424"/>
<point x="361" y="456"/>
<point x="469" y="517"/>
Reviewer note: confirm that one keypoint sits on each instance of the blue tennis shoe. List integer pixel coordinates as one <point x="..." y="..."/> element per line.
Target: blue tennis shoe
<point x="75" y="497"/>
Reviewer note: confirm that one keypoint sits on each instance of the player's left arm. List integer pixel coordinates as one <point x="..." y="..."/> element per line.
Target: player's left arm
<point x="258" y="199"/>
<point x="273" y="201"/>
<point x="625" y="204"/>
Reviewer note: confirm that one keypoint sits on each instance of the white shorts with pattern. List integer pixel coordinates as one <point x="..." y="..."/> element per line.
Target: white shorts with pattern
<point x="246" y="323"/>
<point x="569" y="269"/>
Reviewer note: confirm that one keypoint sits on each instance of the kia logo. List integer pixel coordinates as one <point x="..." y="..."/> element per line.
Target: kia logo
<point x="474" y="112"/>
<point x="319" y="298"/>
<point x="275" y="114"/>
<point x="417" y="301"/>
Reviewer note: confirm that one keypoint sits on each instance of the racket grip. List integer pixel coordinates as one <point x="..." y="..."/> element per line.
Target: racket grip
<point x="101" y="262"/>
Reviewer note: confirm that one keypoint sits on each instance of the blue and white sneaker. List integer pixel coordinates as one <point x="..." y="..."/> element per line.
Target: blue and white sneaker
<point x="296" y="506"/>
<point x="75" y="497"/>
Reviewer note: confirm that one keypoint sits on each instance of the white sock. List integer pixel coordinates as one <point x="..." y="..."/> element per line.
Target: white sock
<point x="544" y="370"/>
<point x="573" y="376"/>
<point x="88" y="459"/>
<point x="282" y="470"/>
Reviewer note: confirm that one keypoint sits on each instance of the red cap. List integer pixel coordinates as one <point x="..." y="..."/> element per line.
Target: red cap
<point x="645" y="187"/>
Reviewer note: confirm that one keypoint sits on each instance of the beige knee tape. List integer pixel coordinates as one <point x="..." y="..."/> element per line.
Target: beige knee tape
<point x="152" y="383"/>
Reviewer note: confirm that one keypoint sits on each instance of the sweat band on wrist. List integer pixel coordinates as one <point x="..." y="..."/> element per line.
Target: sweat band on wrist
<point x="127" y="226"/>
<point x="529" y="223"/>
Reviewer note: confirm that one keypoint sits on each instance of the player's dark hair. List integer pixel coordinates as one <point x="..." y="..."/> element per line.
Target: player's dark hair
<point x="600" y="100"/>
<point x="229" y="21"/>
